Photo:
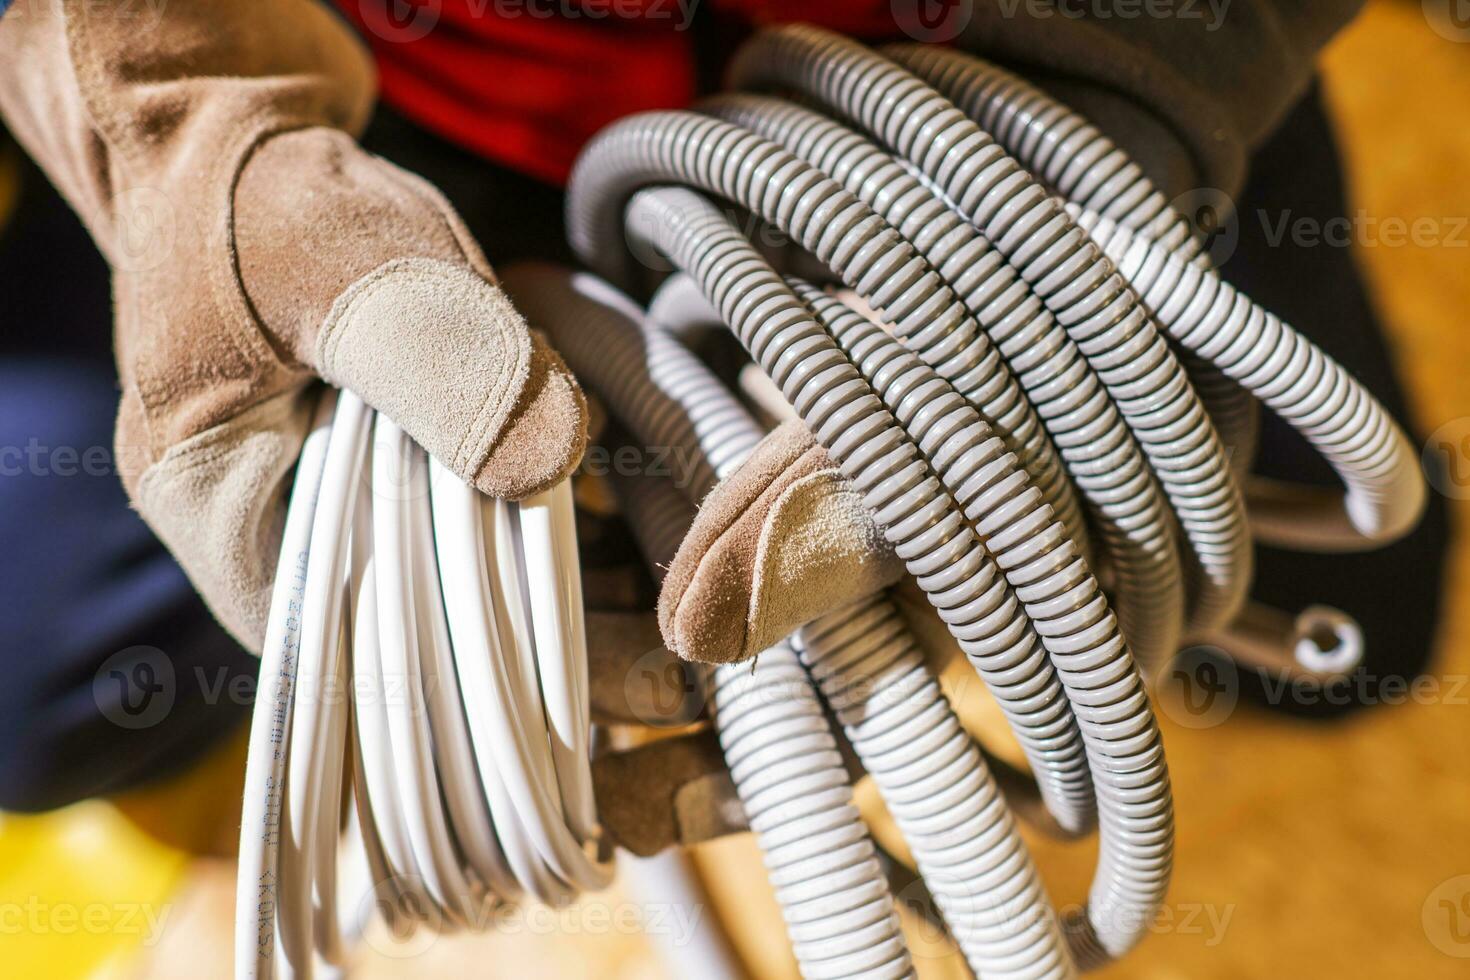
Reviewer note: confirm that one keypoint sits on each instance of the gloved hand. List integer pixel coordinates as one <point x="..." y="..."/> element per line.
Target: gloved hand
<point x="255" y="247"/>
<point x="677" y="790"/>
<point x="652" y="792"/>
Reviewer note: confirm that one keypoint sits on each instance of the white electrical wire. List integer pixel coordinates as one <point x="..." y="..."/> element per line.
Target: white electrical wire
<point x="441" y="632"/>
<point x="257" y="897"/>
<point x="317" y="692"/>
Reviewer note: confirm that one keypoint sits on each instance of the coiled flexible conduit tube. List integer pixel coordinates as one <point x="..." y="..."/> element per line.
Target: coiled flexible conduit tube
<point x="1072" y="156"/>
<point x="915" y="446"/>
<point x="1153" y="247"/>
<point x="867" y="664"/>
<point x="1100" y="454"/>
<point x="988" y="189"/>
<point x="1007" y="615"/>
<point x="1024" y="389"/>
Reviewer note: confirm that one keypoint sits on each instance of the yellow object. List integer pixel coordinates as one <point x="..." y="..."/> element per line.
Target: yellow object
<point x="81" y="890"/>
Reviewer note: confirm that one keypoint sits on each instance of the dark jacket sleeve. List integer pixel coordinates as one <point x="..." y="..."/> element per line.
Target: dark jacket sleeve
<point x="1211" y="77"/>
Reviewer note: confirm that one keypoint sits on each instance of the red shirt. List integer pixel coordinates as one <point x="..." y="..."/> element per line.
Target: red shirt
<point x="526" y="82"/>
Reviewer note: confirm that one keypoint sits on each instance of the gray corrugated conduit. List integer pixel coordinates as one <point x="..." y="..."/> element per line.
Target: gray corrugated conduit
<point x="1109" y="195"/>
<point x="1056" y="258"/>
<point x="838" y="229"/>
<point x="776" y="739"/>
<point x="866" y="663"/>
<point x="1099" y="453"/>
<point x="1016" y="352"/>
<point x="1384" y="493"/>
<point x="1102" y="317"/>
<point x="1064" y="679"/>
<point x="1072" y="156"/>
<point x="1152" y="246"/>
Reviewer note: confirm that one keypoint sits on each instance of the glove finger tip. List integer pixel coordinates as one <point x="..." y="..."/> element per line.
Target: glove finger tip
<point x="545" y="436"/>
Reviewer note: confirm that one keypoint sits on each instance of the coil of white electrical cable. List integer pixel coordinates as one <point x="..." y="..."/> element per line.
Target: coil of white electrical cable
<point x="1013" y="348"/>
<point x="442" y="633"/>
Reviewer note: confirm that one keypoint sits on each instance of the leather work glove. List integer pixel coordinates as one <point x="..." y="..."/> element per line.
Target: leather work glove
<point x="674" y="789"/>
<point x="677" y="790"/>
<point x="256" y="247"/>
<point x="662" y="780"/>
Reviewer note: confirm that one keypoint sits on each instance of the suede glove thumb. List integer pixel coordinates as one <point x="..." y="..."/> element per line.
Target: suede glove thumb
<point x="781" y="541"/>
